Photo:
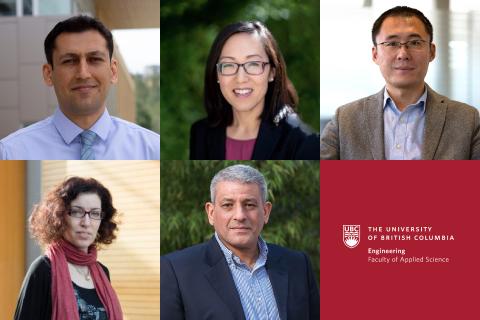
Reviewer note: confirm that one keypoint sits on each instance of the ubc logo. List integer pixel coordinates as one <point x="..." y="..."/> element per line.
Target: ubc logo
<point x="351" y="235"/>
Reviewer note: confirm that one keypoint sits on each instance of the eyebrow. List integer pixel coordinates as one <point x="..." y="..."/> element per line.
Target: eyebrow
<point x="75" y="55"/>
<point x="396" y="36"/>
<point x="248" y="57"/>
<point x="84" y="208"/>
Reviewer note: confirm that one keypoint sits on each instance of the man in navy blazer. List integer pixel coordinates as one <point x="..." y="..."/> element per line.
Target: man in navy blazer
<point x="236" y="274"/>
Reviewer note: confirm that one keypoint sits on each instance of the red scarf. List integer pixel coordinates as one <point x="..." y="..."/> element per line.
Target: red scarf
<point x="64" y="303"/>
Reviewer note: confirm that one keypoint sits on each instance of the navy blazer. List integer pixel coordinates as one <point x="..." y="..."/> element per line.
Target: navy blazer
<point x="291" y="139"/>
<point x="196" y="284"/>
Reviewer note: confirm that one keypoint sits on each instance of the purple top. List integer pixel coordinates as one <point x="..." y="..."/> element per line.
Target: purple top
<point x="239" y="149"/>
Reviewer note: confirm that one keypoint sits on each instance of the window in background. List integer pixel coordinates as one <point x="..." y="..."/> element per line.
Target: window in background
<point x="27" y="7"/>
<point x="8" y="7"/>
<point x="54" y="7"/>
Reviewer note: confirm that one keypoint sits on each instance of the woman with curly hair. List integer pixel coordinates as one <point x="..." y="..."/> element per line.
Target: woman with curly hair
<point x="68" y="282"/>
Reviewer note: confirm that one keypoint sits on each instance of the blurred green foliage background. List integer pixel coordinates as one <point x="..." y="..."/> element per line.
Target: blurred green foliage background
<point x="187" y="30"/>
<point x="293" y="189"/>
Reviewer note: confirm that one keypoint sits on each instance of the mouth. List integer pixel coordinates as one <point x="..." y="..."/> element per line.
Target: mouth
<point x="404" y="68"/>
<point x="84" y="88"/>
<point x="83" y="234"/>
<point x="240" y="228"/>
<point x="242" y="92"/>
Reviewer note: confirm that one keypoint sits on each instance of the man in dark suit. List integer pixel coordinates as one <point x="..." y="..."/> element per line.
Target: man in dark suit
<point x="236" y="274"/>
<point x="406" y="120"/>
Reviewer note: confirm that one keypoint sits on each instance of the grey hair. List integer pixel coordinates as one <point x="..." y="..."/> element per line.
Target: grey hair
<point x="242" y="174"/>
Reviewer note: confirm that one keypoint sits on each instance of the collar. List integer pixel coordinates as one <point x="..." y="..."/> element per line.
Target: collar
<point x="233" y="259"/>
<point x="422" y="99"/>
<point x="68" y="130"/>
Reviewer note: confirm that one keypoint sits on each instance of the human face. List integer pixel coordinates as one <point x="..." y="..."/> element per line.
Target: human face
<point x="403" y="69"/>
<point x="238" y="215"/>
<point x="244" y="92"/>
<point x="81" y="232"/>
<point x="81" y="73"/>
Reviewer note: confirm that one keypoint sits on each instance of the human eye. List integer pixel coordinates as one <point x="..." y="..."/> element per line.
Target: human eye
<point x="96" y="214"/>
<point x="392" y="44"/>
<point x="415" y="43"/>
<point x="228" y="68"/>
<point x="96" y="59"/>
<point x="77" y="212"/>
<point x="68" y="61"/>
<point x="251" y="205"/>
<point x="227" y="205"/>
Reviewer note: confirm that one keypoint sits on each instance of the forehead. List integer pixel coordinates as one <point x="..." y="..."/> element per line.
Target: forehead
<point x="87" y="200"/>
<point x="243" y="45"/>
<point x="80" y="42"/>
<point x="236" y="190"/>
<point x="399" y="26"/>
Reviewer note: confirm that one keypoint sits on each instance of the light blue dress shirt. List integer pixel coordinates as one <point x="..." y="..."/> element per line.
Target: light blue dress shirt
<point x="58" y="138"/>
<point x="253" y="285"/>
<point x="404" y="130"/>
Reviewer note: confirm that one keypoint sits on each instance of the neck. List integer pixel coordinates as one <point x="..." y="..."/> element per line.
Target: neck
<point x="245" y="126"/>
<point x="84" y="121"/>
<point x="405" y="97"/>
<point x="248" y="256"/>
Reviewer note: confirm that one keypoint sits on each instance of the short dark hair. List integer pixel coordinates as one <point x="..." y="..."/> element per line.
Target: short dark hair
<point x="401" y="11"/>
<point x="48" y="218"/>
<point x="76" y="24"/>
<point x="280" y="91"/>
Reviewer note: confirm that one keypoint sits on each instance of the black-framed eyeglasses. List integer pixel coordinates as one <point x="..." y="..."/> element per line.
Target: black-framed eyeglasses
<point x="416" y="44"/>
<point x="253" y="68"/>
<point x="79" y="212"/>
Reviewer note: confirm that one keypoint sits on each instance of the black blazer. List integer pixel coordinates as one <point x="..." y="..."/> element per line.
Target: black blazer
<point x="291" y="139"/>
<point x="196" y="284"/>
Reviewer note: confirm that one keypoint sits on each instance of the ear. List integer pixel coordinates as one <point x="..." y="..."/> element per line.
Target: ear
<point x="433" y="51"/>
<point x="114" y="71"/>
<point x="271" y="75"/>
<point x="267" y="208"/>
<point x="209" y="209"/>
<point x="375" y="54"/>
<point x="47" y="71"/>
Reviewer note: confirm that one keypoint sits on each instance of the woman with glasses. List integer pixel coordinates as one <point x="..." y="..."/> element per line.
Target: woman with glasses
<point x="71" y="223"/>
<point x="250" y="102"/>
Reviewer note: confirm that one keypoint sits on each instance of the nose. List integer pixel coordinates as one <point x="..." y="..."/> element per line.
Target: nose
<point x="403" y="53"/>
<point x="239" y="213"/>
<point x="86" y="220"/>
<point x="241" y="75"/>
<point x="83" y="71"/>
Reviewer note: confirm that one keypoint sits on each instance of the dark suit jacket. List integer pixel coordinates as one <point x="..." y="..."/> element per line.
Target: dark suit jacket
<point x="196" y="284"/>
<point x="291" y="139"/>
<point x="452" y="130"/>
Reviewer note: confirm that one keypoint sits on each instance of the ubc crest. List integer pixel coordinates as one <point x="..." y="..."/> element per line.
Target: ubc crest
<point x="351" y="235"/>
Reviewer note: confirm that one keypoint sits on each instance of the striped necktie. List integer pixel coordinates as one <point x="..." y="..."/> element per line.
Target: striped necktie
<point x="87" y="137"/>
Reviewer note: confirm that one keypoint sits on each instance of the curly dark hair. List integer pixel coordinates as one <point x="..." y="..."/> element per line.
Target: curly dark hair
<point x="47" y="221"/>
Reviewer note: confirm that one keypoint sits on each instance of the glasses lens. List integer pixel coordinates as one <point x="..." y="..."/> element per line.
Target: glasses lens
<point x="96" y="215"/>
<point x="254" y="67"/>
<point x="77" y="212"/>
<point x="228" y="68"/>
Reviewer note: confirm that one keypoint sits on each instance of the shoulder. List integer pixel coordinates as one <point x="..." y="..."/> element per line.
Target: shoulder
<point x="134" y="128"/>
<point x="188" y="255"/>
<point x="31" y="131"/>
<point x="40" y="266"/>
<point x="356" y="107"/>
<point x="105" y="269"/>
<point x="200" y="126"/>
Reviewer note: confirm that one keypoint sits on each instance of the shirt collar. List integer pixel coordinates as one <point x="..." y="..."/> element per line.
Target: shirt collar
<point x="422" y="99"/>
<point x="233" y="259"/>
<point x="69" y="130"/>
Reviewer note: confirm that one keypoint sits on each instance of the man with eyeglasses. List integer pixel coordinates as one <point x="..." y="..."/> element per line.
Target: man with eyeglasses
<point x="406" y="120"/>
<point x="237" y="275"/>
